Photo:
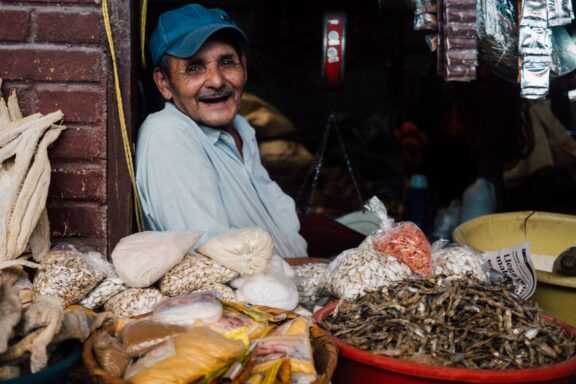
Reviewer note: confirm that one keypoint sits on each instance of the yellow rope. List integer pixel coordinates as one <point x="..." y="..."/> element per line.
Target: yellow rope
<point x="124" y="131"/>
<point x="143" y="12"/>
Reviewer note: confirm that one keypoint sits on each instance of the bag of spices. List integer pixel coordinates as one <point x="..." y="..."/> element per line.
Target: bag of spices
<point x="403" y="240"/>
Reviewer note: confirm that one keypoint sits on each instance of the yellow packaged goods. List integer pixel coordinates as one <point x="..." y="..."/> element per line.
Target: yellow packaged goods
<point x="297" y="348"/>
<point x="110" y="354"/>
<point x="232" y="320"/>
<point x="185" y="358"/>
<point x="140" y="336"/>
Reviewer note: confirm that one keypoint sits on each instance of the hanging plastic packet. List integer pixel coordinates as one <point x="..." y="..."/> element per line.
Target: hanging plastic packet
<point x="425" y="18"/>
<point x="559" y="12"/>
<point x="461" y="52"/>
<point x="497" y="31"/>
<point x="535" y="76"/>
<point x="535" y="46"/>
<point x="403" y="240"/>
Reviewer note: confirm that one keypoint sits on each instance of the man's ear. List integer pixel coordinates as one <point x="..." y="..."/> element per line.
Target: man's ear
<point x="162" y="83"/>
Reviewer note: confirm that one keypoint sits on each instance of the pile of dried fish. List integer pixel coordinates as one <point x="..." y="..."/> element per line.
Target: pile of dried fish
<point x="462" y="323"/>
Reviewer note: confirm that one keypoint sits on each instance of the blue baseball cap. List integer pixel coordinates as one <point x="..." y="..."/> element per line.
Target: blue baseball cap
<point x="181" y="32"/>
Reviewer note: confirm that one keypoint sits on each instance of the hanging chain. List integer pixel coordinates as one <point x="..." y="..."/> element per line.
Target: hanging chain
<point x="349" y="166"/>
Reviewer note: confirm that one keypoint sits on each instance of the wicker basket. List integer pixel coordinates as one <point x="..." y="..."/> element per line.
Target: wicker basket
<point x="325" y="353"/>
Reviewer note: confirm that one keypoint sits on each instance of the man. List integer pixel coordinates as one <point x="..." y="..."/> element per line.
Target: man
<point x="197" y="160"/>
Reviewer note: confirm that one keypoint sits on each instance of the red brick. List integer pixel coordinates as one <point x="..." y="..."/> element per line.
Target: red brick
<point x="70" y="64"/>
<point x="80" y="143"/>
<point x="68" y="219"/>
<point x="61" y="27"/>
<point x="78" y="181"/>
<point x="15" y="25"/>
<point x="26" y="96"/>
<point x="77" y="104"/>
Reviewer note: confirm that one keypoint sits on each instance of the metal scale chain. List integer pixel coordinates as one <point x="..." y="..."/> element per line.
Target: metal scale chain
<point x="331" y="125"/>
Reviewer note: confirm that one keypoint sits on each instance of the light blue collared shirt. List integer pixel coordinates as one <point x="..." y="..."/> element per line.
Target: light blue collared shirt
<point x="192" y="177"/>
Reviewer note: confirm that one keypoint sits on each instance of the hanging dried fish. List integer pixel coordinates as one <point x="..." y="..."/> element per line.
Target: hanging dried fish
<point x="462" y="323"/>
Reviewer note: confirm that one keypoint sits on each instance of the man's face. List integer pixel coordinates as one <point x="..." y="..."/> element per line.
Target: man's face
<point x="207" y="86"/>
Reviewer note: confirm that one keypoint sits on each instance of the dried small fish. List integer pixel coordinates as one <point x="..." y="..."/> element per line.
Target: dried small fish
<point x="464" y="323"/>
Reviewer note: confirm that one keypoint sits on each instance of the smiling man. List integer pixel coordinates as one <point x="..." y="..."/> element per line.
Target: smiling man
<point x="197" y="161"/>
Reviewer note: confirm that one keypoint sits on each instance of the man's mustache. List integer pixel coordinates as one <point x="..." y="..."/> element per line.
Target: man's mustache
<point x="214" y="94"/>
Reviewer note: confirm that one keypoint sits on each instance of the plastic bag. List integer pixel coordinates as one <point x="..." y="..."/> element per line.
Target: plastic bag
<point x="456" y="261"/>
<point x="497" y="31"/>
<point x="143" y="258"/>
<point x="220" y="290"/>
<point x="308" y="279"/>
<point x="357" y="269"/>
<point x="110" y="354"/>
<point x="232" y="320"/>
<point x="194" y="272"/>
<point x="133" y="302"/>
<point x="404" y="240"/>
<point x="246" y="250"/>
<point x="68" y="275"/>
<point x="188" y="310"/>
<point x="272" y="290"/>
<point x="107" y="289"/>
<point x="186" y="357"/>
<point x="141" y="336"/>
<point x="296" y="348"/>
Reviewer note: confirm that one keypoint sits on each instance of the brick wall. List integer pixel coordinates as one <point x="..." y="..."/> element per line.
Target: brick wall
<point x="54" y="53"/>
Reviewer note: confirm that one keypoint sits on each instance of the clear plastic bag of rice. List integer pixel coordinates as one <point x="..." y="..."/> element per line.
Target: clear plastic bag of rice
<point x="307" y="278"/>
<point x="455" y="260"/>
<point x="108" y="288"/>
<point x="133" y="302"/>
<point x="68" y="274"/>
<point x="357" y="269"/>
<point x="195" y="271"/>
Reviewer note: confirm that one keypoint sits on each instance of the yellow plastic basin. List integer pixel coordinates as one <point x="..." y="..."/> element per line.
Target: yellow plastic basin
<point x="548" y="234"/>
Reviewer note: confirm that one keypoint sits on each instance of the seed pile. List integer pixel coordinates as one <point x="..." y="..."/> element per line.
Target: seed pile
<point x="463" y="323"/>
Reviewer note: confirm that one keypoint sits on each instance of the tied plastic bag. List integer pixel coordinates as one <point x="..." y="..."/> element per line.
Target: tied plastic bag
<point x="357" y="269"/>
<point x="110" y="354"/>
<point x="143" y="258"/>
<point x="194" y="272"/>
<point x="187" y="357"/>
<point x="274" y="290"/>
<point x="308" y="278"/>
<point x="68" y="274"/>
<point x="141" y="336"/>
<point x="456" y="261"/>
<point x="188" y="310"/>
<point x="245" y="250"/>
<point x="403" y="240"/>
<point x="133" y="302"/>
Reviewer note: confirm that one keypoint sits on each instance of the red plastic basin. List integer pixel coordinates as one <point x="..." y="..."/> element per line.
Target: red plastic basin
<point x="357" y="366"/>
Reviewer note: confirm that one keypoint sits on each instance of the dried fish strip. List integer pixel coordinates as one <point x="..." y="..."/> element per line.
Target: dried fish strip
<point x="465" y="323"/>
